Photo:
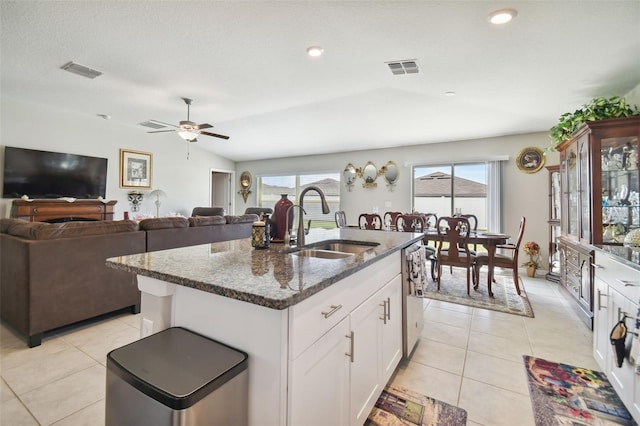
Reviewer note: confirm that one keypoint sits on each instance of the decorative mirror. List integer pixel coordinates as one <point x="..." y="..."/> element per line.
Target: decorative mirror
<point x="390" y="172"/>
<point x="245" y="185"/>
<point x="369" y="174"/>
<point x="350" y="173"/>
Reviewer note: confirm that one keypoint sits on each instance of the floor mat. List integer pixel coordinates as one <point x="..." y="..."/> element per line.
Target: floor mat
<point x="401" y="406"/>
<point x="453" y="289"/>
<point x="562" y="394"/>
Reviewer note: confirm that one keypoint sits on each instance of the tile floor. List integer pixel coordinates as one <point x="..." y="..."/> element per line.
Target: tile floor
<point x="467" y="357"/>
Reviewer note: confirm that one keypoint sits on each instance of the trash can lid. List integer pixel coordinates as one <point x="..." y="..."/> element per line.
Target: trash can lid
<point x="176" y="366"/>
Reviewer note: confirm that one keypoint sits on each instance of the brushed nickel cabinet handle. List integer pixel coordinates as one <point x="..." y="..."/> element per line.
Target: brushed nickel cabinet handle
<point x="350" y="353"/>
<point x="334" y="309"/>
<point x="626" y="283"/>
<point x="600" y="301"/>
<point x="596" y="266"/>
<point x="384" y="311"/>
<point x="389" y="308"/>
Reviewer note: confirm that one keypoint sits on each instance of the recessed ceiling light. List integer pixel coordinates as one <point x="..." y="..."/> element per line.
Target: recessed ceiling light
<point x="104" y="116"/>
<point x="502" y="16"/>
<point x="449" y="93"/>
<point x="315" y="51"/>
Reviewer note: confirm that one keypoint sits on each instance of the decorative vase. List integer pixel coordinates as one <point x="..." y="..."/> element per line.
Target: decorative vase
<point x="279" y="221"/>
<point x="531" y="271"/>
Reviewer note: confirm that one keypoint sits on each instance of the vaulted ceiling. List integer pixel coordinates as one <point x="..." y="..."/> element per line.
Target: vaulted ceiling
<point x="244" y="65"/>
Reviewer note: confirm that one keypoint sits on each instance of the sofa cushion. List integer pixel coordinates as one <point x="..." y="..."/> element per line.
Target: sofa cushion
<point x="5" y="222"/>
<point x="163" y="223"/>
<point x="206" y="220"/>
<point x="207" y="211"/>
<point x="50" y="231"/>
<point x="242" y="218"/>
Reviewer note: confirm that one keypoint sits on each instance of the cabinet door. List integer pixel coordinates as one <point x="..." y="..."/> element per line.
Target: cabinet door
<point x="601" y="324"/>
<point x="366" y="324"/>
<point x="319" y="383"/>
<point x="391" y="336"/>
<point x="571" y="191"/>
<point x="622" y="378"/>
<point x="584" y="189"/>
<point x="585" y="282"/>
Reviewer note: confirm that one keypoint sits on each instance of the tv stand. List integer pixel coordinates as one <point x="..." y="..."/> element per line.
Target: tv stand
<point x="48" y="210"/>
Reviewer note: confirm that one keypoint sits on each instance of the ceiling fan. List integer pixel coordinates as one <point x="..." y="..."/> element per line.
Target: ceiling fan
<point x="188" y="130"/>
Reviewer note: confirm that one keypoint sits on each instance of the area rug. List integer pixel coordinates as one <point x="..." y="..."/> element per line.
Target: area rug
<point x="562" y="394"/>
<point x="401" y="406"/>
<point x="453" y="288"/>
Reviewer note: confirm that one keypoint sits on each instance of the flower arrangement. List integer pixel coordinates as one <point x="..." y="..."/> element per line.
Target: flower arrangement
<point x="533" y="250"/>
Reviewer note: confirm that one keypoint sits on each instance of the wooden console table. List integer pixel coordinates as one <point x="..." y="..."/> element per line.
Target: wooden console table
<point x="47" y="210"/>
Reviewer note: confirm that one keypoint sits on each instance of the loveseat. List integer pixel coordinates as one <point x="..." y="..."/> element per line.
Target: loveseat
<point x="53" y="275"/>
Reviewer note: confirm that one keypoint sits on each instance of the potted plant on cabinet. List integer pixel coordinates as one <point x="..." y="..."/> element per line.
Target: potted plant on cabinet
<point x="597" y="109"/>
<point x="533" y="250"/>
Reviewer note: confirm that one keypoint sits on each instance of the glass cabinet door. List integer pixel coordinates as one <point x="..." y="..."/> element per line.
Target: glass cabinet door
<point x="620" y="205"/>
<point x="584" y="189"/>
<point x="572" y="192"/>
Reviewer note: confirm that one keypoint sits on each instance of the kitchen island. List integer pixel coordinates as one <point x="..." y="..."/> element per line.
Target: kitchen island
<point x="323" y="335"/>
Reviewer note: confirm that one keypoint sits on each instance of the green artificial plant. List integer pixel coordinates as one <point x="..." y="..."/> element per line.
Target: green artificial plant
<point x="596" y="109"/>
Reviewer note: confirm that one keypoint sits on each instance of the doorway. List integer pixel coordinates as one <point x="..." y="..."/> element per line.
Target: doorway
<point x="221" y="182"/>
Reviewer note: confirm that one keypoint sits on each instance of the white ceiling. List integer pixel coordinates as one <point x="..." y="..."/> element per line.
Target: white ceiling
<point x="245" y="66"/>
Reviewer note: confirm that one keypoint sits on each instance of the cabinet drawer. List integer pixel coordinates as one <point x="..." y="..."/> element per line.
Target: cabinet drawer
<point x="622" y="278"/>
<point x="313" y="317"/>
<point x="572" y="257"/>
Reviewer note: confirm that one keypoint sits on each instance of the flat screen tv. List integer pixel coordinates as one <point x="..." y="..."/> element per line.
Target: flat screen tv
<point x="43" y="174"/>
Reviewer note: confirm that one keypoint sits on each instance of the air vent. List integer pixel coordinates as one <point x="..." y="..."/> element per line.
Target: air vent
<point x="80" y="70"/>
<point x="152" y="124"/>
<point x="409" y="66"/>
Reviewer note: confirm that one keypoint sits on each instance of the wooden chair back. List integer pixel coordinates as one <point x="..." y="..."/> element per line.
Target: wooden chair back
<point x="455" y="232"/>
<point x="390" y="217"/>
<point x="410" y="223"/>
<point x="370" y="221"/>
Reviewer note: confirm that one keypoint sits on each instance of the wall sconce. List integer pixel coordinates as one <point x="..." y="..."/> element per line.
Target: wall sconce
<point x="245" y="185"/>
<point x="135" y="198"/>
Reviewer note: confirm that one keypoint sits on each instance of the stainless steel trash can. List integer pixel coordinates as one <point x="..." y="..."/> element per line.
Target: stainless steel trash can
<point x="176" y="377"/>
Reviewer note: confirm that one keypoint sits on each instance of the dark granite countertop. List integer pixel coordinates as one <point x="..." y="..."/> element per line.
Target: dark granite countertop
<point x="629" y="256"/>
<point x="269" y="277"/>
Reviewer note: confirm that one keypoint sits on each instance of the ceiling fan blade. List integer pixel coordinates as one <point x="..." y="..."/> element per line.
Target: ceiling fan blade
<point x="215" y="135"/>
<point x="162" y="131"/>
<point x="163" y="123"/>
<point x="204" y="126"/>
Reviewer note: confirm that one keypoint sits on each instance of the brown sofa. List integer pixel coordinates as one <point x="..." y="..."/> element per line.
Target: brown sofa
<point x="53" y="275"/>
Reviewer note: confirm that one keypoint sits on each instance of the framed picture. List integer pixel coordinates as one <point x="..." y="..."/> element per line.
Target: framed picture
<point x="135" y="169"/>
<point x="530" y="159"/>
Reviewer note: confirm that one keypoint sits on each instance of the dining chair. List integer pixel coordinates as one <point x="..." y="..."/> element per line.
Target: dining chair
<point x="507" y="261"/>
<point x="473" y="222"/>
<point x="370" y="221"/>
<point x="455" y="232"/>
<point x="410" y="223"/>
<point x="341" y="219"/>
<point x="430" y="222"/>
<point x="390" y="218"/>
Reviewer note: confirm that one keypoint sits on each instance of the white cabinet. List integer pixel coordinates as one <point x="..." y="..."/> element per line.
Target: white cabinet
<point x="338" y="378"/>
<point x="319" y="388"/>
<point x="617" y="293"/>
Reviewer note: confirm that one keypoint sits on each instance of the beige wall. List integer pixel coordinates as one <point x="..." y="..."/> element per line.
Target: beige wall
<point x="186" y="182"/>
<point x="524" y="194"/>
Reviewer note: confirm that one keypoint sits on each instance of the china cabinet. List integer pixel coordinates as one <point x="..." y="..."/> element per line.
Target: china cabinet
<point x="599" y="200"/>
<point x="554" y="223"/>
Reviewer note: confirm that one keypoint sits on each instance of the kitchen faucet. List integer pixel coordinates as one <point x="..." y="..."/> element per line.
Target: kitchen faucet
<point x="325" y="210"/>
<point x="287" y="236"/>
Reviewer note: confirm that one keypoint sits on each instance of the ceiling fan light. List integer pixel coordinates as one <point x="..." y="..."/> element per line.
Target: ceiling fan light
<point x="315" y="51"/>
<point x="188" y="136"/>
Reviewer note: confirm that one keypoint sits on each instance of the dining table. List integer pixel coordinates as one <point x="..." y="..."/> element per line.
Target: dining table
<point x="489" y="240"/>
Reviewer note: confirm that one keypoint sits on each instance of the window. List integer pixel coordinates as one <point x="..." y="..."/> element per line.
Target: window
<point x="467" y="188"/>
<point x="270" y="189"/>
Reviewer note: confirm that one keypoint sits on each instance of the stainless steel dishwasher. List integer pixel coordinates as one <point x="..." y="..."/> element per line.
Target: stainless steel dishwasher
<point x="414" y="284"/>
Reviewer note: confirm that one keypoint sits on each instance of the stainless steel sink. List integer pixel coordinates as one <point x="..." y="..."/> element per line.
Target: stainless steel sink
<point x="324" y="254"/>
<point x="334" y="249"/>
